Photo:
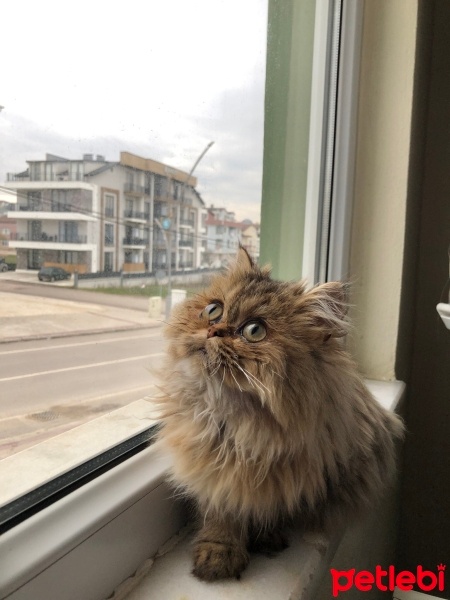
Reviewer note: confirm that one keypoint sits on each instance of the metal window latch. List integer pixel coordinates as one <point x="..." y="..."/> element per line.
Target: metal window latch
<point x="443" y="308"/>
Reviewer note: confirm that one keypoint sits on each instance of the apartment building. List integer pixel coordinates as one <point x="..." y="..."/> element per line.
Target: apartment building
<point x="250" y="234"/>
<point x="224" y="234"/>
<point x="93" y="215"/>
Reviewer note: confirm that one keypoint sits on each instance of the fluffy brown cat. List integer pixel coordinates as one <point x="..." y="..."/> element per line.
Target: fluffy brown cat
<point x="265" y="414"/>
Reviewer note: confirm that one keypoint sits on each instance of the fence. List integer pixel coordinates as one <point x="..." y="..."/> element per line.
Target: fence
<point x="121" y="279"/>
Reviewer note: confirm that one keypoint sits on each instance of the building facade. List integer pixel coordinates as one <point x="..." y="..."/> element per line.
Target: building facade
<point x="224" y="235"/>
<point x="94" y="215"/>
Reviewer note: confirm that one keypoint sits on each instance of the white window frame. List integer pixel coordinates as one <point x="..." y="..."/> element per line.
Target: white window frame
<point x="332" y="143"/>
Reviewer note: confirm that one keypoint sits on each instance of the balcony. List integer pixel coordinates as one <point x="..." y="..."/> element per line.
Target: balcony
<point x="134" y="241"/>
<point x="136" y="189"/>
<point x="25" y="176"/>
<point x="48" y="241"/>
<point x="45" y="237"/>
<point x="134" y="215"/>
<point x="51" y="207"/>
<point x="164" y="196"/>
<point x="129" y="267"/>
<point x="187" y="223"/>
<point x="55" y="212"/>
<point x="41" y="177"/>
<point x="186" y="243"/>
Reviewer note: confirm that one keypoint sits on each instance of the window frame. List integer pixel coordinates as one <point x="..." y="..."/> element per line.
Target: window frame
<point x="60" y="551"/>
<point x="41" y="542"/>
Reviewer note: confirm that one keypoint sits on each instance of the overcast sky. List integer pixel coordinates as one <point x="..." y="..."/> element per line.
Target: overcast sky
<point x="160" y="78"/>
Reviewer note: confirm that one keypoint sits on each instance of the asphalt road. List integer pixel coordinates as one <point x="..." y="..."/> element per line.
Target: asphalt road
<point x="48" y="386"/>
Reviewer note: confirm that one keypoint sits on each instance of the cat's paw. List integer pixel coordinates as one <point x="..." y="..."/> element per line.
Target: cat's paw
<point x="213" y="560"/>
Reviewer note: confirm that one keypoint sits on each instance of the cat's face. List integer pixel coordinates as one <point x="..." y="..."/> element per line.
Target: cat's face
<point x="253" y="334"/>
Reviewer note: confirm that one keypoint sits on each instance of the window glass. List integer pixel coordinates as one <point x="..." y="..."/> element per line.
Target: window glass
<point x="145" y="128"/>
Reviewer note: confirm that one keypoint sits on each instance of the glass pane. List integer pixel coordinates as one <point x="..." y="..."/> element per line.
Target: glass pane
<point x="123" y="128"/>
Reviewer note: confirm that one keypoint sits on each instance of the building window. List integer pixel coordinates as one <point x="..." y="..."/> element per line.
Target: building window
<point x="108" y="259"/>
<point x="110" y="201"/>
<point x="69" y="257"/>
<point x="76" y="171"/>
<point x="109" y="234"/>
<point x="35" y="171"/>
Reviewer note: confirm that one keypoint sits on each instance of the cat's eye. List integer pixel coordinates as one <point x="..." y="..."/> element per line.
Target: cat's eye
<point x="254" y="331"/>
<point x="212" y="312"/>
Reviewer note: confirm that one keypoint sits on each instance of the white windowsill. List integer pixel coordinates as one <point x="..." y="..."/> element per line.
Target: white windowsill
<point x="87" y="543"/>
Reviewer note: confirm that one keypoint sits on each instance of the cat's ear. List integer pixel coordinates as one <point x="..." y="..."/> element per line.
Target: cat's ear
<point x="327" y="307"/>
<point x="244" y="262"/>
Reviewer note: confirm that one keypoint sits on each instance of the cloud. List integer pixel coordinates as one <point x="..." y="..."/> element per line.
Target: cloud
<point x="162" y="92"/>
<point x="229" y="174"/>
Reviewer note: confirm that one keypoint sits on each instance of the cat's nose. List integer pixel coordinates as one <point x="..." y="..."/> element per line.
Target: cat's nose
<point x="214" y="331"/>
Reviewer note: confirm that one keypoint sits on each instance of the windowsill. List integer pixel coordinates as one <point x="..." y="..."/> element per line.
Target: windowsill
<point x="294" y="574"/>
<point x="88" y="543"/>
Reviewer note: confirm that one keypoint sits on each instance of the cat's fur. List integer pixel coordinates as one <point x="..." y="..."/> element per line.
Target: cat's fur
<point x="261" y="431"/>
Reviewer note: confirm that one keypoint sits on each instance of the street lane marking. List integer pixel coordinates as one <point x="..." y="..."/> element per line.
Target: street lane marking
<point x="91" y="366"/>
<point x="119" y="339"/>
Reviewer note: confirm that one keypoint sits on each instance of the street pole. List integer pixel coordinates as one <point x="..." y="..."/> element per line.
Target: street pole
<point x="193" y="169"/>
<point x="165" y="229"/>
<point x="185" y="183"/>
<point x="169" y="273"/>
<point x="167" y="232"/>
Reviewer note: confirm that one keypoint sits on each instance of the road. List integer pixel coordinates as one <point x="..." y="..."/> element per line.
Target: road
<point x="50" y="385"/>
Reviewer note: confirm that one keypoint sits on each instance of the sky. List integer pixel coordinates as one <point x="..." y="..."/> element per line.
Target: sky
<point x="159" y="78"/>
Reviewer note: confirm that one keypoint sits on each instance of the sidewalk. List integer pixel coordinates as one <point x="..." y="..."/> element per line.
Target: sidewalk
<point x="34" y="317"/>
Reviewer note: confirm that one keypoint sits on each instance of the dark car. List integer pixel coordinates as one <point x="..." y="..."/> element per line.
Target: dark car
<point x="52" y="274"/>
<point x="5" y="266"/>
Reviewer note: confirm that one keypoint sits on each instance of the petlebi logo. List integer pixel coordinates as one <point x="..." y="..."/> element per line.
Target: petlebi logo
<point x="387" y="580"/>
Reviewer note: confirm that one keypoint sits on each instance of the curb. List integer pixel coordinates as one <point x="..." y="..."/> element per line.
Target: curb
<point x="63" y="334"/>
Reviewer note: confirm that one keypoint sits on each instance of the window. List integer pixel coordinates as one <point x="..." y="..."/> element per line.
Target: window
<point x="110" y="202"/>
<point x="109" y="256"/>
<point x="76" y="171"/>
<point x="109" y="234"/>
<point x="324" y="70"/>
<point x="35" y="171"/>
<point x="170" y="131"/>
<point x="35" y="232"/>
<point x="69" y="258"/>
<point x="68" y="232"/>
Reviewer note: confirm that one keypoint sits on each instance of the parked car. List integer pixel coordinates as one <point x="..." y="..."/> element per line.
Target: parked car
<point x="52" y="274"/>
<point x="6" y="266"/>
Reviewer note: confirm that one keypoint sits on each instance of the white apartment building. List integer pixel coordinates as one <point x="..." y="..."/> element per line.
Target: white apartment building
<point x="93" y="215"/>
<point x="224" y="234"/>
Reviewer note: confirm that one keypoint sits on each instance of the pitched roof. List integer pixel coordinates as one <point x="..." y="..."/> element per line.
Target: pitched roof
<point x="109" y="165"/>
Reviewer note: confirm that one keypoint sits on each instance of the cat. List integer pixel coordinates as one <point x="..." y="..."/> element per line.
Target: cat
<point x="265" y="415"/>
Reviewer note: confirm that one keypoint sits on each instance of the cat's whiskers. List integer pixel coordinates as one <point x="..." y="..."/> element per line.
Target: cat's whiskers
<point x="216" y="367"/>
<point x="247" y="376"/>
<point x="231" y="373"/>
<point x="253" y="380"/>
<point x="277" y="374"/>
<point x="221" y="383"/>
